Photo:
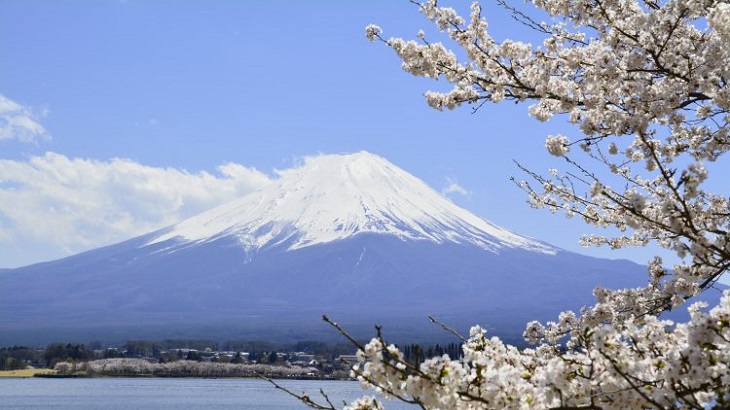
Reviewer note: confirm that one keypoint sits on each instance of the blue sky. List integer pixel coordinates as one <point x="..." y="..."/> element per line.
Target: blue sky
<point x="119" y="117"/>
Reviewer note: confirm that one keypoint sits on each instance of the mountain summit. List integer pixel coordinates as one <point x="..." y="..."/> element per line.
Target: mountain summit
<point x="333" y="197"/>
<point x="352" y="236"/>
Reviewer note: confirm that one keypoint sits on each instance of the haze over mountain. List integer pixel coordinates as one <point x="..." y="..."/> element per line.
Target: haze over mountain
<point x="352" y="236"/>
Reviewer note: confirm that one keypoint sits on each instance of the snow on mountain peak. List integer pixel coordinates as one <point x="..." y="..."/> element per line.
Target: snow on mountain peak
<point x="333" y="197"/>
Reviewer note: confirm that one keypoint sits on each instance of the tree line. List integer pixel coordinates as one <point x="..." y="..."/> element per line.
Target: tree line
<point x="173" y="350"/>
<point x="20" y="357"/>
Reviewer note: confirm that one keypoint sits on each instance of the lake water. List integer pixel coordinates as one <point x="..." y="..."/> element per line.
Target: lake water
<point x="163" y="394"/>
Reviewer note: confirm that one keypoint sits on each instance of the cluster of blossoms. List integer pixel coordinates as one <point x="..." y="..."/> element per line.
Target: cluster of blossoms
<point x="557" y="145"/>
<point x="647" y="363"/>
<point x="647" y="85"/>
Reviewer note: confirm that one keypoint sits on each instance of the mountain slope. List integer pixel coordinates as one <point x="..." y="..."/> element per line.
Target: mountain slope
<point x="335" y="197"/>
<point x="352" y="236"/>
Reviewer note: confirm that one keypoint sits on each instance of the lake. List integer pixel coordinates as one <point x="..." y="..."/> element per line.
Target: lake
<point x="162" y="394"/>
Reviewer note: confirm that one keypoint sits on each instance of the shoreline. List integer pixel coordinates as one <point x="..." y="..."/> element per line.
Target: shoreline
<point x="53" y="374"/>
<point x="26" y="373"/>
<point x="154" y="376"/>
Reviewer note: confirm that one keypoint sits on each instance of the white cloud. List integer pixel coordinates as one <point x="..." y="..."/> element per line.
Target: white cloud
<point x="19" y="122"/>
<point x="453" y="187"/>
<point x="56" y="206"/>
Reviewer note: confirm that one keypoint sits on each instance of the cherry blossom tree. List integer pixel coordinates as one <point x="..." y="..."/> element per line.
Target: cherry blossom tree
<point x="645" y="84"/>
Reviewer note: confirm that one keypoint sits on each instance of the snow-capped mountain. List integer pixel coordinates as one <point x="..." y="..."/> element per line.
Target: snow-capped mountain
<point x="352" y="236"/>
<point x="338" y="196"/>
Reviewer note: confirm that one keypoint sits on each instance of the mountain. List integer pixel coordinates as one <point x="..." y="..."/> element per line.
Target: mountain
<point x="337" y="197"/>
<point x="352" y="236"/>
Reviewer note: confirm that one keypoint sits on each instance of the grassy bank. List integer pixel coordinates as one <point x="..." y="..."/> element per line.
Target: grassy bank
<point x="25" y="372"/>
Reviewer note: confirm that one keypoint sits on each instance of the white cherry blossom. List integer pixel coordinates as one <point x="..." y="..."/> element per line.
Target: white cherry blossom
<point x="647" y="85"/>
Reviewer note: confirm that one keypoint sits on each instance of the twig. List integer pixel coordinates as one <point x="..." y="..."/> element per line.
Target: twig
<point x="447" y="328"/>
<point x="304" y="398"/>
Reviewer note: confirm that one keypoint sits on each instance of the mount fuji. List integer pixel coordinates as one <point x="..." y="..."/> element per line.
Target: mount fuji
<point x="352" y="236"/>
